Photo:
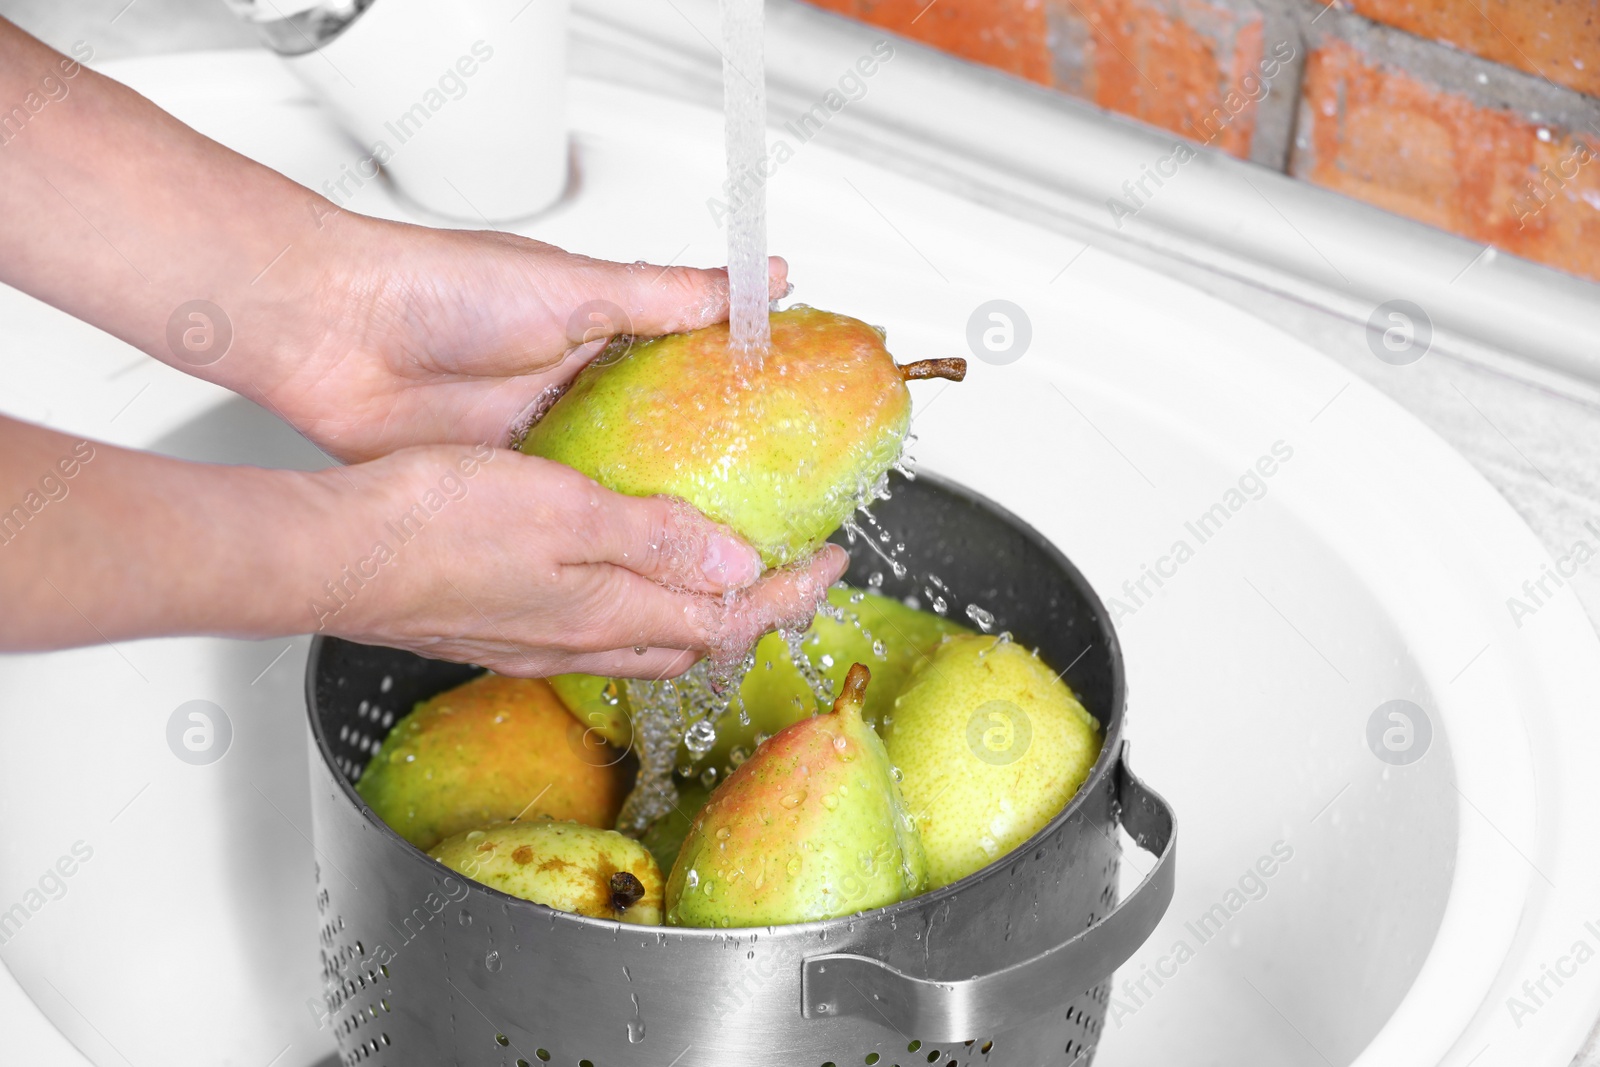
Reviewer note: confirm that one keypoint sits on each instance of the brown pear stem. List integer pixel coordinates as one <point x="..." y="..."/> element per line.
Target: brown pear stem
<point x="952" y="367"/>
<point x="854" y="693"/>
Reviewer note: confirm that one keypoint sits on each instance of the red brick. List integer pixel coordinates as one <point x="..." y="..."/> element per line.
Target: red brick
<point x="1011" y="35"/>
<point x="1391" y="139"/>
<point x="1556" y="39"/>
<point x="1171" y="63"/>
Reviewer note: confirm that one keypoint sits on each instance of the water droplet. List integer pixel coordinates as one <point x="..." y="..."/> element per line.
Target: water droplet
<point x="793" y="800"/>
<point x="692" y="879"/>
<point x="492" y="960"/>
<point x="723" y="833"/>
<point x="636" y="1027"/>
<point x="639" y="650"/>
<point x="464" y="917"/>
<point x="793" y="866"/>
<point x="875" y="580"/>
<point x="984" y="619"/>
<point x="830" y="801"/>
<point x="700" y="737"/>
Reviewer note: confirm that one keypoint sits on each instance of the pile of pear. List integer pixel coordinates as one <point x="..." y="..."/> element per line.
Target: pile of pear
<point x="943" y="750"/>
<point x="949" y="751"/>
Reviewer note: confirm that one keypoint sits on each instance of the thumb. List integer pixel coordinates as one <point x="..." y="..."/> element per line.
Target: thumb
<point x="646" y="300"/>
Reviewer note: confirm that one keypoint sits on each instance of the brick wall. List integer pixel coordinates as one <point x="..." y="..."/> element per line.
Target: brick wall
<point x="1481" y="117"/>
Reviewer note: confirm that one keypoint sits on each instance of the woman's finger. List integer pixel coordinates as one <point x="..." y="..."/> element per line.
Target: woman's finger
<point x="623" y="609"/>
<point x="654" y="665"/>
<point x="786" y="599"/>
<point x="662" y="539"/>
<point x="606" y="299"/>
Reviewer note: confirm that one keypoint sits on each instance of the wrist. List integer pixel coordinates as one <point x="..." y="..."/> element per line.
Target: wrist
<point x="378" y="568"/>
<point x="335" y="552"/>
<point x="281" y="316"/>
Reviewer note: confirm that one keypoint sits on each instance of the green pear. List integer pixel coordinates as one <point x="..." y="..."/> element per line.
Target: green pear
<point x="774" y="693"/>
<point x="599" y="704"/>
<point x="494" y="748"/>
<point x="565" y="865"/>
<point x="664" y="837"/>
<point x="810" y="827"/>
<point x="991" y="745"/>
<point x="782" y="452"/>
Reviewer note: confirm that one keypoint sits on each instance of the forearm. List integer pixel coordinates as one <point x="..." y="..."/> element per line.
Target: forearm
<point x="118" y="214"/>
<point x="104" y="544"/>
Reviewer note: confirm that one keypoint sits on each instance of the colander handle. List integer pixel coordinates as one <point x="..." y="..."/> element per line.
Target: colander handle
<point x="970" y="1008"/>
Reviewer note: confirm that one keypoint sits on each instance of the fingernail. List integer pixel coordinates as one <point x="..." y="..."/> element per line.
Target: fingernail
<point x="729" y="562"/>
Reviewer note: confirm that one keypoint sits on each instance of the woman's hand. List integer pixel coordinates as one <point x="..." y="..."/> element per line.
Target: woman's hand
<point x="520" y="564"/>
<point x="533" y="569"/>
<point x="409" y="336"/>
<point x="366" y="335"/>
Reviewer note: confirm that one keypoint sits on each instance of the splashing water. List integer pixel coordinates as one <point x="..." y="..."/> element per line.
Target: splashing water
<point x="853" y="531"/>
<point x="686" y="709"/>
<point x="744" y="104"/>
<point x="821" y="688"/>
<point x="656" y="730"/>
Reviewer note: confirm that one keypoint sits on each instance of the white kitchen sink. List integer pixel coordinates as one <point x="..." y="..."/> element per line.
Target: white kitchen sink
<point x="1407" y="902"/>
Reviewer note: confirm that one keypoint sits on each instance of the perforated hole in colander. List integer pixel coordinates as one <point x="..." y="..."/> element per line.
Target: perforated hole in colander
<point x="355" y="991"/>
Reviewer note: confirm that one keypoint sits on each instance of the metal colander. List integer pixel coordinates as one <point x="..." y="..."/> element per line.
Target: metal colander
<point x="1008" y="967"/>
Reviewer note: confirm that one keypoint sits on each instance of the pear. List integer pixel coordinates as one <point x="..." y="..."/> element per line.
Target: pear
<point x="565" y="865"/>
<point x="664" y="837"/>
<point x="494" y="748"/>
<point x="991" y="745"/>
<point x="810" y="827"/>
<point x="781" y="453"/>
<point x="599" y="704"/>
<point x="774" y="694"/>
<point x="779" y="695"/>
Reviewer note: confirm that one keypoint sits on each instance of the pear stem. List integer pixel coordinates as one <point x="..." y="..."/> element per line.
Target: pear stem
<point x="854" y="692"/>
<point x="952" y="367"/>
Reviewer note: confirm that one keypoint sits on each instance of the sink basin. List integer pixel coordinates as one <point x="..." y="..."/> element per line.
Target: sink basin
<point x="1287" y="551"/>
